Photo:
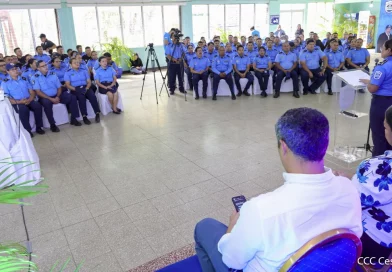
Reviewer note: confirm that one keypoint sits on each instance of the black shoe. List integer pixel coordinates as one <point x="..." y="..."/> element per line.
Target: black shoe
<point x="361" y="91"/>
<point x="98" y="118"/>
<point x="40" y="131"/>
<point x="277" y="94"/>
<point x="197" y="97"/>
<point x="330" y="92"/>
<point x="263" y="94"/>
<point x="296" y="94"/>
<point x="312" y="92"/>
<point x="54" y="128"/>
<point x="86" y="121"/>
<point x="246" y="93"/>
<point x="182" y="91"/>
<point x="115" y="112"/>
<point x="31" y="134"/>
<point x="233" y="97"/>
<point x="214" y="97"/>
<point x="171" y="92"/>
<point x="239" y="94"/>
<point x="119" y="110"/>
<point x="76" y="123"/>
<point x="204" y="96"/>
<point x="305" y="93"/>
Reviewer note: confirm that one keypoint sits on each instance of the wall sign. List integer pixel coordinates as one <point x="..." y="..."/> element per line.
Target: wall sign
<point x="274" y="19"/>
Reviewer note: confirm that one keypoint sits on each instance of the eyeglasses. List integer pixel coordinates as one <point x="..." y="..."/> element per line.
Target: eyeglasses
<point x="42" y="66"/>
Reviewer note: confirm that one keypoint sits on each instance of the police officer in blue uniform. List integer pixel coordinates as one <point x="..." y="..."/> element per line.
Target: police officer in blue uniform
<point x="262" y="65"/>
<point x="22" y="97"/>
<point x="58" y="69"/>
<point x="358" y="57"/>
<point x="335" y="63"/>
<point x="3" y="70"/>
<point x="271" y="52"/>
<point x="167" y="38"/>
<point x="310" y="63"/>
<point x="230" y="51"/>
<point x="175" y="53"/>
<point x="327" y="38"/>
<point x="222" y="67"/>
<point x="211" y="55"/>
<point x="380" y="85"/>
<point x="251" y="53"/>
<point x="259" y="43"/>
<point x="48" y="88"/>
<point x="40" y="55"/>
<point x="83" y="65"/>
<point x="241" y="65"/>
<point x="189" y="55"/>
<point x="91" y="63"/>
<point x="199" y="67"/>
<point x="277" y="44"/>
<point x="286" y="64"/>
<point x="79" y="83"/>
<point x="31" y="69"/>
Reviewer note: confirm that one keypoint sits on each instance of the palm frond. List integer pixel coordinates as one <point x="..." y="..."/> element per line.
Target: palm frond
<point x="118" y="51"/>
<point x="13" y="257"/>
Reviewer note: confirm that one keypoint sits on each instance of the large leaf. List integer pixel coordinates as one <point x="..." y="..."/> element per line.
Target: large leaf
<point x="120" y="53"/>
<point x="13" y="257"/>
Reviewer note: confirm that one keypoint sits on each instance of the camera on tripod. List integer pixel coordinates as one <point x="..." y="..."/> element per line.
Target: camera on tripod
<point x="177" y="34"/>
<point x="151" y="45"/>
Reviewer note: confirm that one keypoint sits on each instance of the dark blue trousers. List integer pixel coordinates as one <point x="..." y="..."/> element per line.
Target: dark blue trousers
<point x="317" y="80"/>
<point x="82" y="101"/>
<point x="237" y="78"/>
<point x="378" y="107"/>
<point x="24" y="114"/>
<point x="196" y="78"/>
<point x="263" y="79"/>
<point x="175" y="71"/>
<point x="281" y="75"/>
<point x="189" y="75"/>
<point x="228" y="79"/>
<point x="65" y="98"/>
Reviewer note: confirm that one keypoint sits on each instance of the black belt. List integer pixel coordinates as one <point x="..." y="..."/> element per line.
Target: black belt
<point x="382" y="97"/>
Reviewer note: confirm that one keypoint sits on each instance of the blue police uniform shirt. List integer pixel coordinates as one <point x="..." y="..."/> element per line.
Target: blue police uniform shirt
<point x="76" y="77"/>
<point x="3" y="76"/>
<point x="91" y="63"/>
<point x="345" y="52"/>
<point x="252" y="55"/>
<point x="211" y="56"/>
<point x="189" y="57"/>
<point x="18" y="89"/>
<point x="277" y="47"/>
<point x="112" y="64"/>
<point x="104" y="75"/>
<point x="286" y="60"/>
<point x="60" y="72"/>
<point x="241" y="62"/>
<point x="83" y="66"/>
<point x="262" y="62"/>
<point x="47" y="84"/>
<point x="272" y="53"/>
<point x="325" y="41"/>
<point x="166" y="37"/>
<point x="222" y="65"/>
<point x="335" y="58"/>
<point x="382" y="77"/>
<point x="358" y="55"/>
<point x="29" y="73"/>
<point x="312" y="59"/>
<point x="200" y="64"/>
<point x="45" y="58"/>
<point x="174" y="51"/>
<point x="256" y="33"/>
<point x="231" y="54"/>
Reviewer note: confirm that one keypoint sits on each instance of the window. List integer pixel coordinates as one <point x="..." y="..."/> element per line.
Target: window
<point x="200" y="22"/>
<point x="44" y="21"/>
<point x="232" y="19"/>
<point x="153" y="28"/>
<point x="132" y="26"/>
<point x="247" y="18"/>
<point x="217" y="19"/>
<point x="109" y="23"/>
<point x="291" y="15"/>
<point x="86" y="27"/>
<point x="171" y="17"/>
<point x="262" y="20"/>
<point x="320" y="24"/>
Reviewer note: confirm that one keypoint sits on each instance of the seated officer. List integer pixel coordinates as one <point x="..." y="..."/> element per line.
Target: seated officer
<point x="286" y="64"/>
<point x="310" y="63"/>
<point x="83" y="65"/>
<point x="91" y="63"/>
<point x="230" y="51"/>
<point x="262" y="65"/>
<point x="106" y="80"/>
<point x="259" y="43"/>
<point x="216" y="45"/>
<point x="48" y="88"/>
<point x="189" y="55"/>
<point x="199" y="67"/>
<point x="211" y="54"/>
<point x="231" y="40"/>
<point x="358" y="57"/>
<point x="277" y="44"/>
<point x="79" y="49"/>
<point x="3" y="71"/>
<point x="328" y="37"/>
<point x="31" y="69"/>
<point x="241" y="65"/>
<point x="235" y="40"/>
<point x="87" y="56"/>
<point x="79" y="83"/>
<point x="272" y="53"/>
<point x="251" y="53"/>
<point x="40" y="55"/>
<point x="22" y="96"/>
<point x="243" y="41"/>
<point x="174" y="53"/>
<point x="335" y="63"/>
<point x="59" y="70"/>
<point x="60" y="50"/>
<point x="250" y="39"/>
<point x="222" y="68"/>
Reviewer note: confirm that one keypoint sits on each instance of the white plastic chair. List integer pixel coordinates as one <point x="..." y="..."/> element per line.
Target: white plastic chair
<point x="243" y="82"/>
<point x="256" y="86"/>
<point x="209" y="88"/>
<point x="60" y="115"/>
<point x="90" y="111"/>
<point x="104" y="104"/>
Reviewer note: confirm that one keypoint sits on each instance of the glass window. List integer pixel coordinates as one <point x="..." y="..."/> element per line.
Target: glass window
<point x="86" y="27"/>
<point x="261" y="20"/>
<point x="171" y="17"/>
<point x="200" y="22"/>
<point x="232" y="17"/>
<point x="320" y="24"/>
<point x="132" y="26"/>
<point x="152" y="16"/>
<point x="109" y="23"/>
<point x="217" y="19"/>
<point x="247" y="18"/>
<point x="44" y="21"/>
<point x="17" y="31"/>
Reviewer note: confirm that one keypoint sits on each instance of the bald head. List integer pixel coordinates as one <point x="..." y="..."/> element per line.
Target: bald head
<point x="286" y="47"/>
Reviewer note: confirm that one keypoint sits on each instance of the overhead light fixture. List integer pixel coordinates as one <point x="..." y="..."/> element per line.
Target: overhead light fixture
<point x="371" y="4"/>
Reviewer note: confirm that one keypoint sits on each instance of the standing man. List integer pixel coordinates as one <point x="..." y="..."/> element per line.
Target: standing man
<point x="47" y="45"/>
<point x="335" y="63"/>
<point x="255" y="32"/>
<point x="241" y="67"/>
<point x="174" y="53"/>
<point x="286" y="64"/>
<point x="358" y="57"/>
<point x="167" y="38"/>
<point x="222" y="68"/>
<point x="279" y="31"/>
<point x="310" y="62"/>
<point x="86" y="57"/>
<point x="199" y="67"/>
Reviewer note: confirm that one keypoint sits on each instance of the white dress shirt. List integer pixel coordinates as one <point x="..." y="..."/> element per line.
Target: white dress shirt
<point x="275" y="225"/>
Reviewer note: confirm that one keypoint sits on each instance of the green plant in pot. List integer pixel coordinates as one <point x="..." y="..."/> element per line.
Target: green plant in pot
<point x="120" y="53"/>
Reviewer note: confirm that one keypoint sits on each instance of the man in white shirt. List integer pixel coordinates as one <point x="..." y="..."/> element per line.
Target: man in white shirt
<point x="273" y="226"/>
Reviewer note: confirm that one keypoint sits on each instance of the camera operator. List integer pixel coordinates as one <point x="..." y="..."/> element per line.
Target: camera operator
<point x="174" y="53"/>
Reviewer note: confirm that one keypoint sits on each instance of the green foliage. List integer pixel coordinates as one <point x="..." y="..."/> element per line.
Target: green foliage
<point x="14" y="257"/>
<point x="342" y="24"/>
<point x="120" y="53"/>
<point x="224" y="35"/>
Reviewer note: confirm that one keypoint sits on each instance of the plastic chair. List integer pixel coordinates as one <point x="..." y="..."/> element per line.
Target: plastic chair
<point x="60" y="115"/>
<point x="334" y="250"/>
<point x="243" y="82"/>
<point x="104" y="104"/>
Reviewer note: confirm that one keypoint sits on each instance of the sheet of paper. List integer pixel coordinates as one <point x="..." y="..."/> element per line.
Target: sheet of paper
<point x="353" y="77"/>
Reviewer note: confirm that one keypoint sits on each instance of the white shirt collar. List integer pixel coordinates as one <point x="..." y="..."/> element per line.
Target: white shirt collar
<point x="308" y="178"/>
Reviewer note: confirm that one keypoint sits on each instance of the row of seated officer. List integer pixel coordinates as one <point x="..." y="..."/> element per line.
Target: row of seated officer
<point x="313" y="200"/>
<point x="72" y="87"/>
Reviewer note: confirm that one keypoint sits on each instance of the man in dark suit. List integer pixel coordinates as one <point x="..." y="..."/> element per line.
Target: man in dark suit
<point x="383" y="38"/>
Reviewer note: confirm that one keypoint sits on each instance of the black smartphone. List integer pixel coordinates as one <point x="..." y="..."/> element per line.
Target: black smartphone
<point x="238" y="201"/>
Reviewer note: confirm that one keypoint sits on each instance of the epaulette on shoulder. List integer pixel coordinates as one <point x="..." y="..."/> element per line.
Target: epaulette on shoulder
<point x="194" y="58"/>
<point x="5" y="80"/>
<point x="281" y="52"/>
<point x="383" y="62"/>
<point x="36" y="75"/>
<point x="52" y="73"/>
<point x="24" y="78"/>
<point x="236" y="56"/>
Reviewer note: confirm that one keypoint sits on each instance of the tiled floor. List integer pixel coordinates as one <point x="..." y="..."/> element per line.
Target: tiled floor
<point x="131" y="189"/>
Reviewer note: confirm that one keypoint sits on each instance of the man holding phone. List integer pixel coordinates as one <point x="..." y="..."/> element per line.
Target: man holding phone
<point x="271" y="227"/>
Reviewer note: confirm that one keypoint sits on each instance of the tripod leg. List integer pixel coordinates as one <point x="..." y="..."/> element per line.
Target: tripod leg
<point x="156" y="91"/>
<point x="144" y="77"/>
<point x="163" y="77"/>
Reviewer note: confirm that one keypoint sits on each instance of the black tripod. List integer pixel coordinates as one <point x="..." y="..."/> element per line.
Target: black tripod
<point x="176" y="45"/>
<point x="153" y="56"/>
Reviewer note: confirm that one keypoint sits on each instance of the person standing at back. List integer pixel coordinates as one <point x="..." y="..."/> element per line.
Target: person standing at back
<point x="47" y="45"/>
<point x="255" y="32"/>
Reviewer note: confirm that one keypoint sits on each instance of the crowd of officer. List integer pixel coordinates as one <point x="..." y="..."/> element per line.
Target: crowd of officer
<point x="310" y="60"/>
<point x="36" y="83"/>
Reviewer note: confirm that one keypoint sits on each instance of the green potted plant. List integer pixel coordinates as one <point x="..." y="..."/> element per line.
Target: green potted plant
<point x="120" y="53"/>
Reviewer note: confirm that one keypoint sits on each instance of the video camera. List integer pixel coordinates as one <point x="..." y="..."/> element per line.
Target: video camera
<point x="177" y="34"/>
<point x="151" y="45"/>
